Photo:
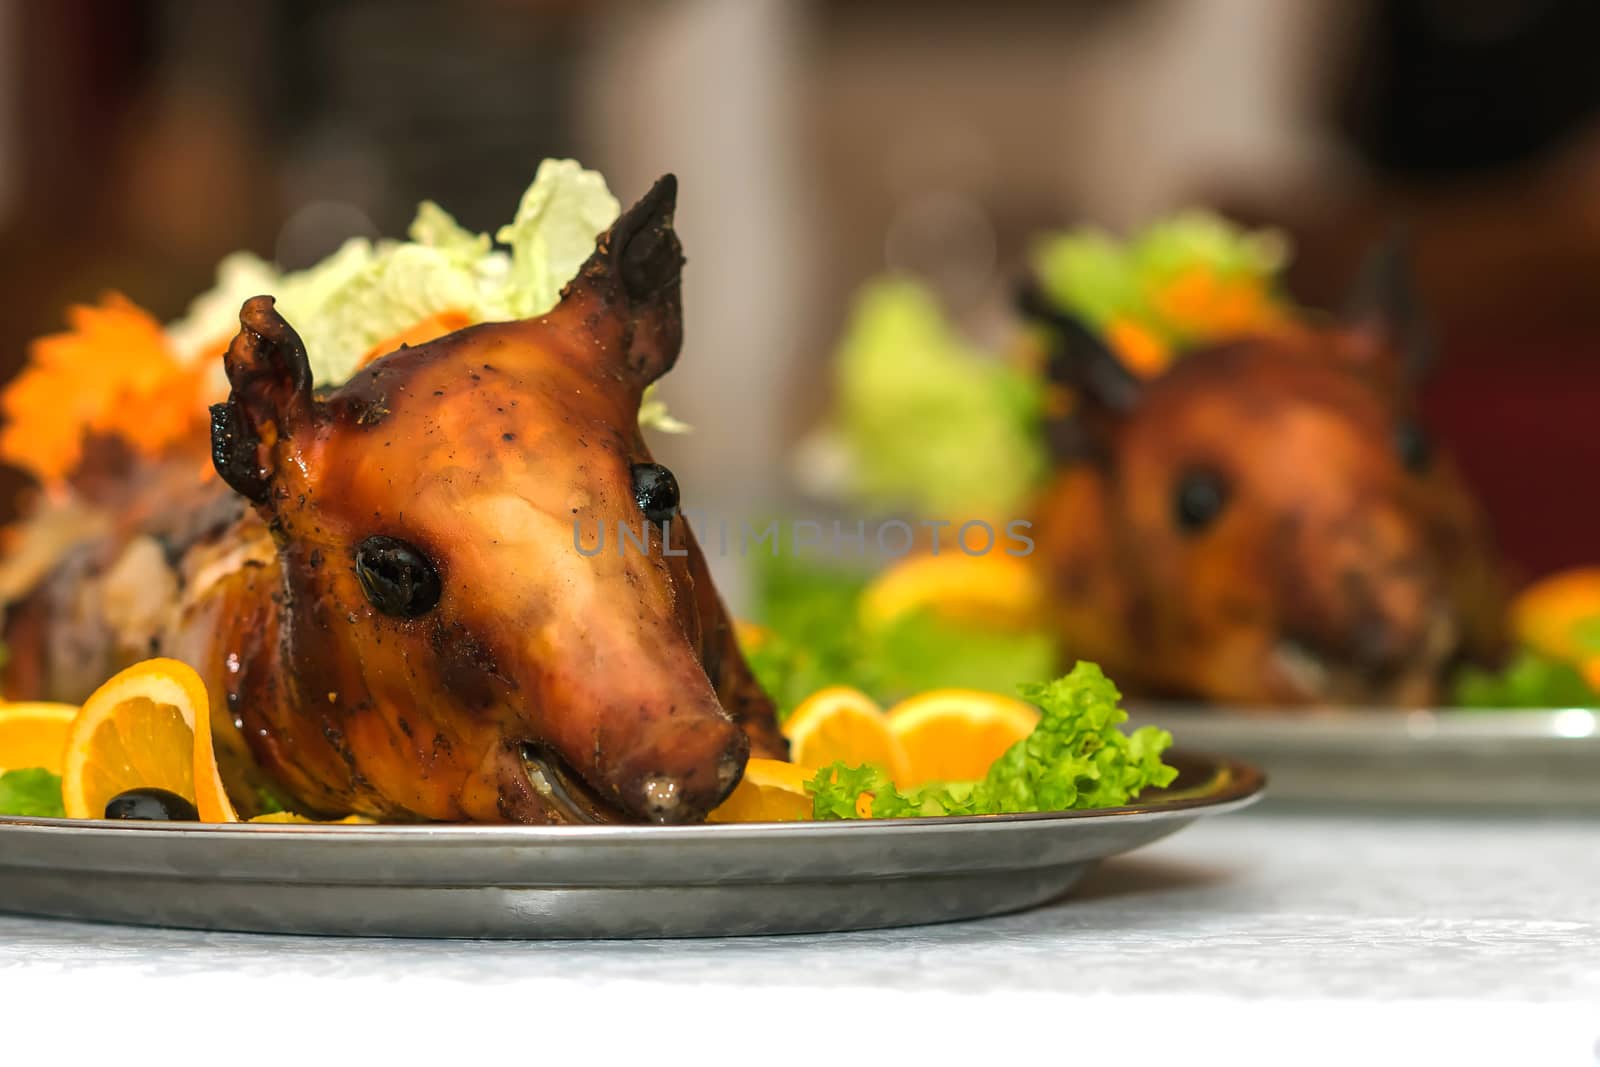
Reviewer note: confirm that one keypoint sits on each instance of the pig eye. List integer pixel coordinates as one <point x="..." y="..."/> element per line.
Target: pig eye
<point x="655" y="490"/>
<point x="397" y="578"/>
<point x="1413" y="447"/>
<point x="1199" y="499"/>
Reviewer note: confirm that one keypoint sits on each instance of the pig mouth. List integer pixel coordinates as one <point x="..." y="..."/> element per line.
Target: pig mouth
<point x="564" y="789"/>
<point x="568" y="794"/>
<point x="1316" y="675"/>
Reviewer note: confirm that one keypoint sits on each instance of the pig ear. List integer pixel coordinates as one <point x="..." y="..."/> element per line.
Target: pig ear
<point x="271" y="399"/>
<point x="635" y="272"/>
<point x="1078" y="357"/>
<point x="1384" y="314"/>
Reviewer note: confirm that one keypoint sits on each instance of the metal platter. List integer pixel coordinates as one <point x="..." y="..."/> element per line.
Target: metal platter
<point x="586" y="882"/>
<point x="1468" y="760"/>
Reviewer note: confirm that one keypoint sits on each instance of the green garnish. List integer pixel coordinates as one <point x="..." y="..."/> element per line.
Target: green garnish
<point x="1076" y="758"/>
<point x="817" y="639"/>
<point x="913" y="397"/>
<point x="34" y="792"/>
<point x="1105" y="280"/>
<point x="1528" y="680"/>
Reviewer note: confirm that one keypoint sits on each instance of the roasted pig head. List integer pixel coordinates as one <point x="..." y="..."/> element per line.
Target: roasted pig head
<point x="1265" y="523"/>
<point x="456" y="639"/>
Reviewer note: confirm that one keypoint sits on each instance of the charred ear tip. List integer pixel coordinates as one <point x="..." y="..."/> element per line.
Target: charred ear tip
<point x="259" y="316"/>
<point x="654" y="208"/>
<point x="662" y="198"/>
<point x="644" y="248"/>
<point x="1079" y="355"/>
<point x="266" y="347"/>
<point x="258" y="311"/>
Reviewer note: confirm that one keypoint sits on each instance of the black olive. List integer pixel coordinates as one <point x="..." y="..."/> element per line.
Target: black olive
<point x="1200" y="497"/>
<point x="397" y="578"/>
<point x="656" y="491"/>
<point x="151" y="805"/>
<point x="1411" y="444"/>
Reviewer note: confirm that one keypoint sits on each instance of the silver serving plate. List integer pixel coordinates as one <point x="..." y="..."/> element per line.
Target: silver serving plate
<point x="1544" y="759"/>
<point x="586" y="882"/>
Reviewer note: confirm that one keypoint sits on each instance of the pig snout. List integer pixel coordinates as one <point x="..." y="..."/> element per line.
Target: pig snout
<point x="653" y="740"/>
<point x="1365" y="615"/>
<point x="681" y="775"/>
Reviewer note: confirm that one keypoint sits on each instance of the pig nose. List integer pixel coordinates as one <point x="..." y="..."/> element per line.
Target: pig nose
<point x="1374" y="647"/>
<point x="661" y="797"/>
<point x="663" y="792"/>
<point x="1398" y="626"/>
<point x="689" y="795"/>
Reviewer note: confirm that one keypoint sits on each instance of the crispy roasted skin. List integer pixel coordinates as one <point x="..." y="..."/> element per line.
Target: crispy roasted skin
<point x="547" y="684"/>
<point x="1333" y="574"/>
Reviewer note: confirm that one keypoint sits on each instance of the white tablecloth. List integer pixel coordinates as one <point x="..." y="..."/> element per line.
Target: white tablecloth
<point x="1283" y="938"/>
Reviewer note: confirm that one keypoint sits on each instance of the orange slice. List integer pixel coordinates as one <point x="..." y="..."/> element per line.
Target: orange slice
<point x="1560" y="615"/>
<point x="291" y="817"/>
<point x="34" y="734"/>
<point x="994" y="588"/>
<point x="770" y="791"/>
<point x="148" y="727"/>
<point x="840" y="723"/>
<point x="953" y="735"/>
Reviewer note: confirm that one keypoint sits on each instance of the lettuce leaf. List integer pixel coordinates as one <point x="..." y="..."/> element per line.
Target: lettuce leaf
<point x="33" y="792"/>
<point x="813" y="635"/>
<point x="400" y="286"/>
<point x="1087" y="272"/>
<point x="1076" y="758"/>
<point x="923" y="650"/>
<point x="560" y="216"/>
<point x="915" y="402"/>
<point x="1199" y="238"/>
<point x="437" y="228"/>
<point x="1528" y="680"/>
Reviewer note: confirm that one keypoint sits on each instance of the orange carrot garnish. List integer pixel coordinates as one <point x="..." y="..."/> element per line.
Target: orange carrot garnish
<point x="112" y="372"/>
<point x="434" y="326"/>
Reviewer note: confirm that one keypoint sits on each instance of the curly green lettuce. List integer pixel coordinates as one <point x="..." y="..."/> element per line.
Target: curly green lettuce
<point x="33" y="792"/>
<point x="1076" y="758"/>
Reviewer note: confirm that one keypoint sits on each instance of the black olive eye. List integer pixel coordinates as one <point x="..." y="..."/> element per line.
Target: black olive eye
<point x="1413" y="447"/>
<point x="1201" y="495"/>
<point x="655" y="490"/>
<point x="397" y="578"/>
<point x="151" y="805"/>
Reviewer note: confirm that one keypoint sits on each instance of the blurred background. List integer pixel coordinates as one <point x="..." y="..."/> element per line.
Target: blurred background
<point x="822" y="142"/>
